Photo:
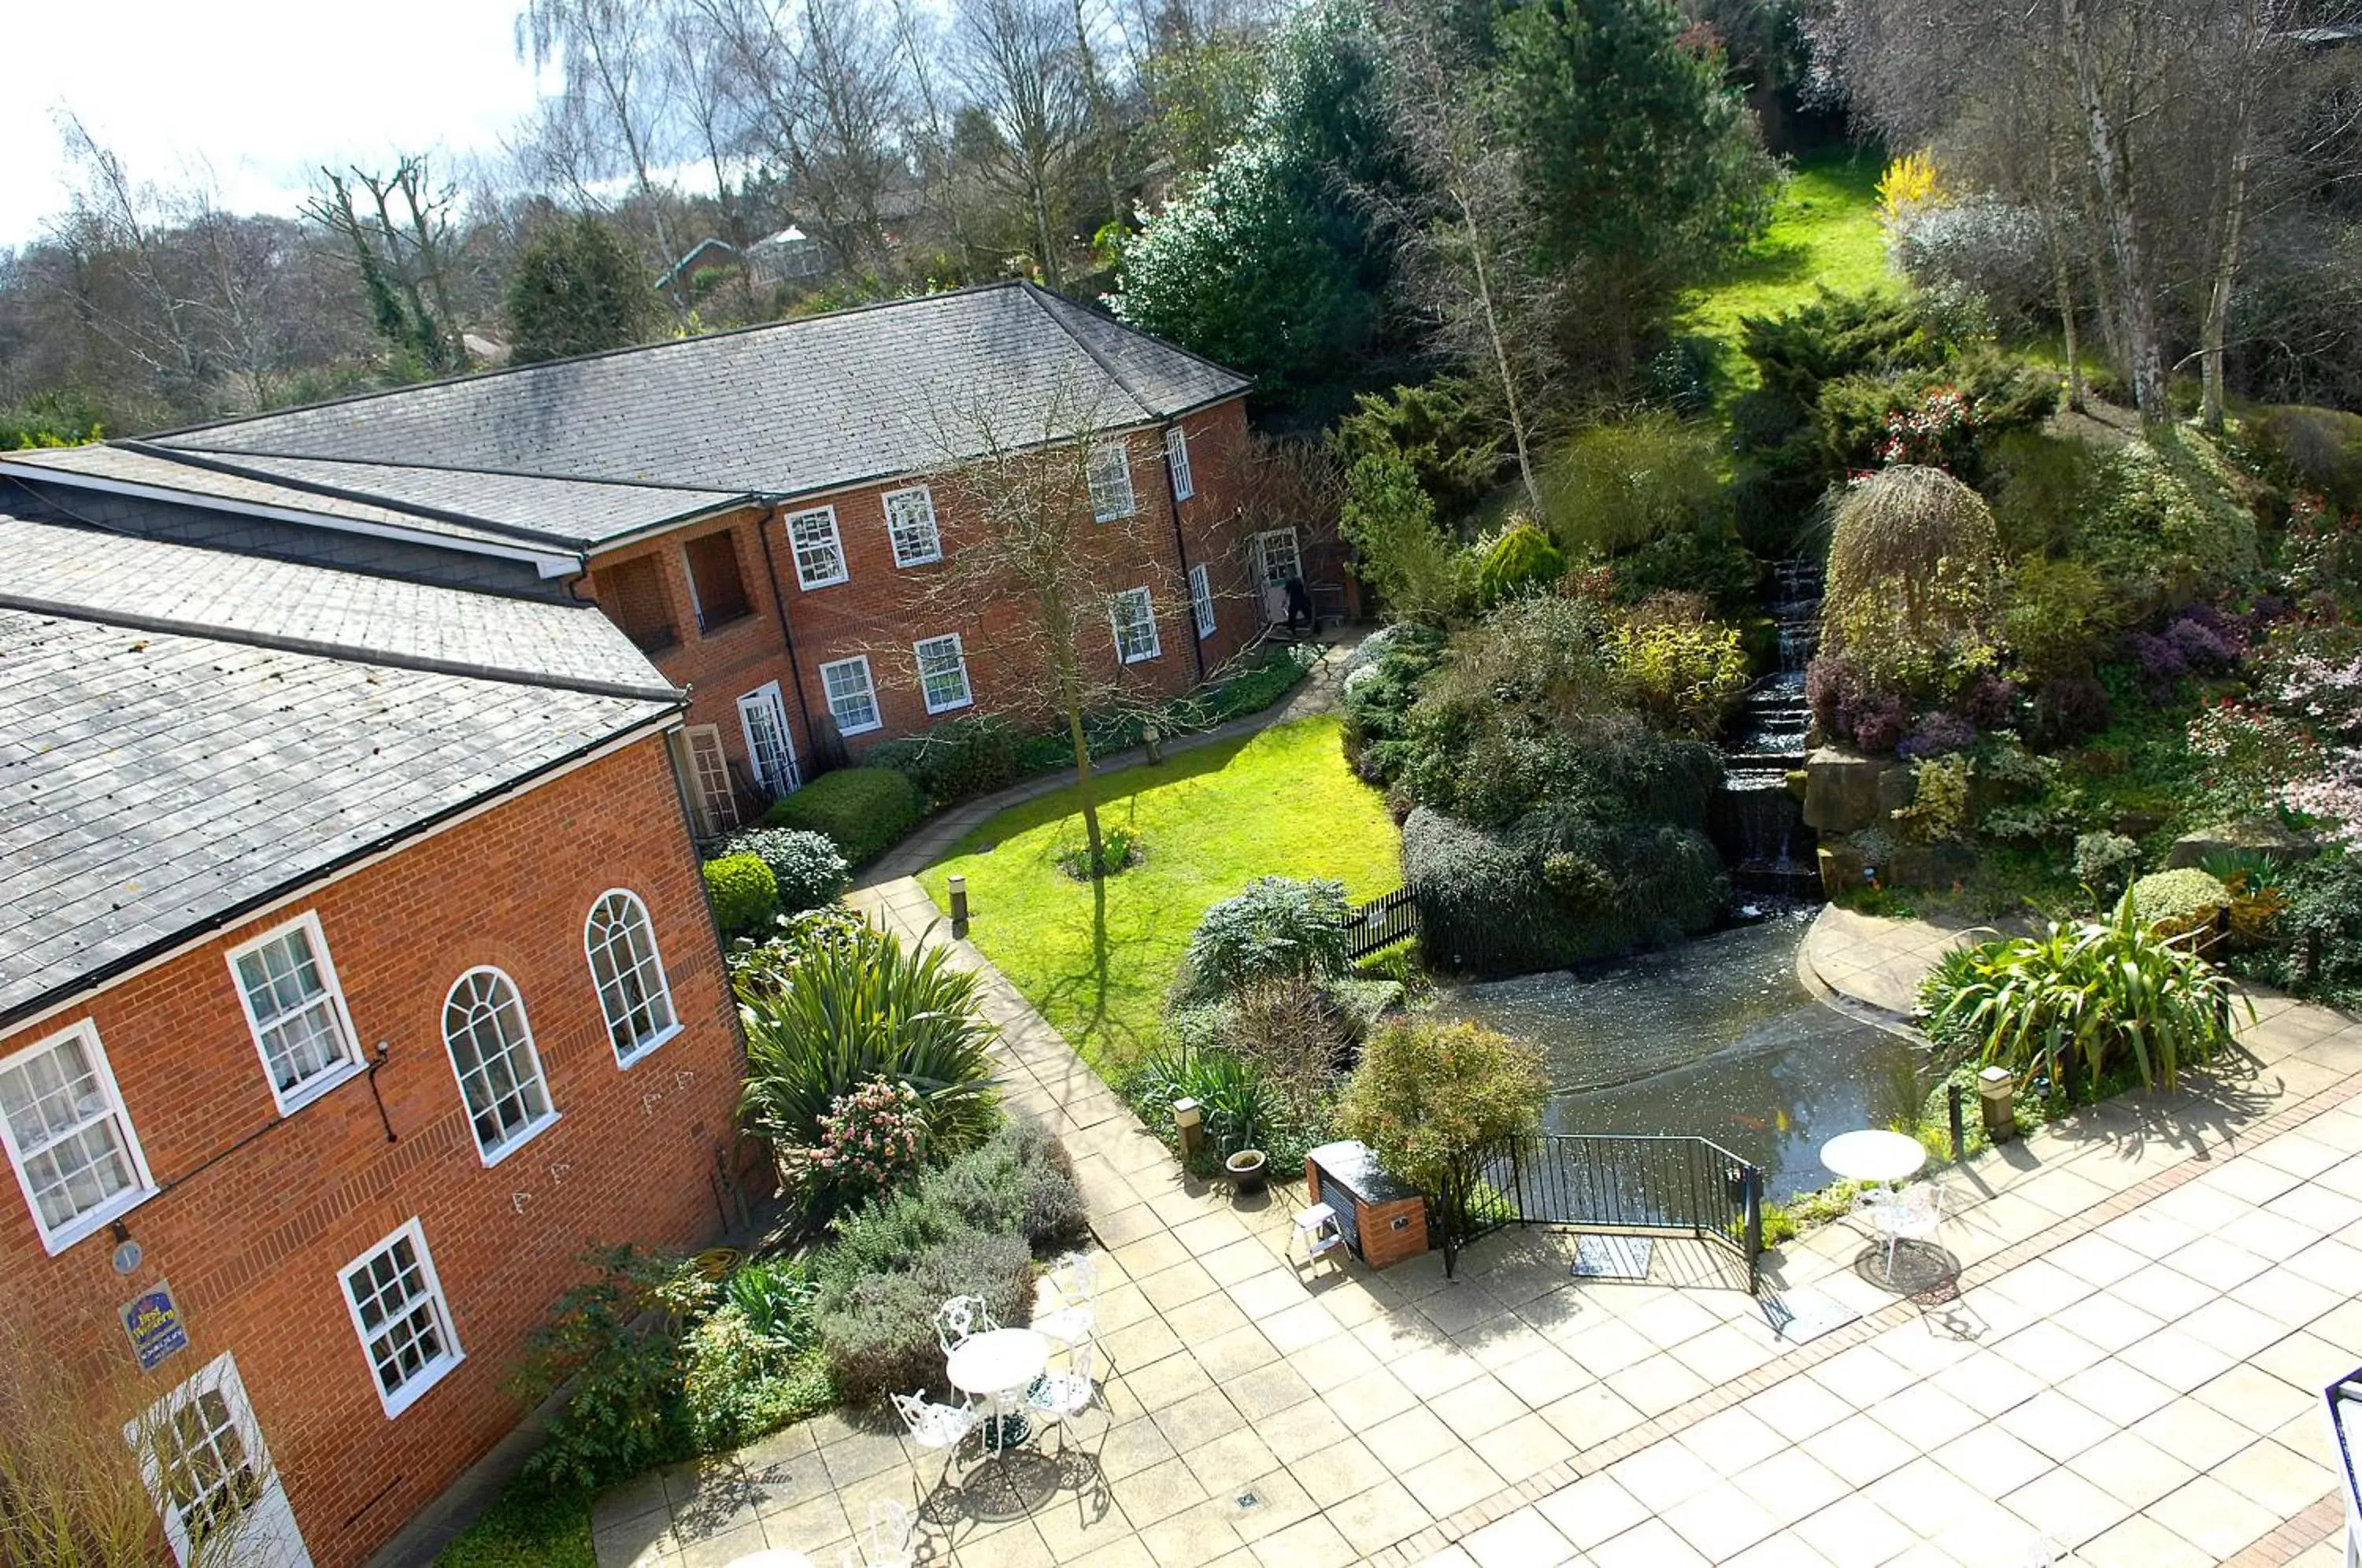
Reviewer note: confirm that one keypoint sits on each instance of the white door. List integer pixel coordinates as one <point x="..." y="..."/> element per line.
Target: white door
<point x="710" y="769"/>
<point x="769" y="743"/>
<point x="207" y="1467"/>
<point x="1275" y="559"/>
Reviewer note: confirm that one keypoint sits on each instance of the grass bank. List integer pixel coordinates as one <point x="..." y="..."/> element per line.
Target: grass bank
<point x="1281" y="803"/>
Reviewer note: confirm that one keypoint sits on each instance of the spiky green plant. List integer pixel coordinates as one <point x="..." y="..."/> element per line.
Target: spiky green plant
<point x="864" y="1009"/>
<point x="2088" y="992"/>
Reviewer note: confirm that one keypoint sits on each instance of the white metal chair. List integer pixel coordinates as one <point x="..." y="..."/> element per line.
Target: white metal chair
<point x="1318" y="1229"/>
<point x="888" y="1544"/>
<point x="934" y="1426"/>
<point x="1912" y="1215"/>
<point x="1065" y="1395"/>
<point x="960" y="1316"/>
<point x="1075" y="1320"/>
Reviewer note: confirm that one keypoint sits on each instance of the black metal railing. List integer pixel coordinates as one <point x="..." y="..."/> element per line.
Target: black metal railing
<point x="1380" y="923"/>
<point x="1624" y="1183"/>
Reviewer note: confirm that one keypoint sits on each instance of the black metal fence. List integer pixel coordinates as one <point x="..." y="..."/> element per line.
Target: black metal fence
<point x="1620" y="1183"/>
<point x="1381" y="923"/>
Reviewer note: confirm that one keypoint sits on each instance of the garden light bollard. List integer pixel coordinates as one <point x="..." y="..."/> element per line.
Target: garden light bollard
<point x="1189" y="1120"/>
<point x="1152" y="741"/>
<point x="1997" y="1094"/>
<point x="957" y="886"/>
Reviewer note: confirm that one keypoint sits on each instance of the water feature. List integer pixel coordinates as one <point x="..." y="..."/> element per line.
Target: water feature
<point x="1716" y="1038"/>
<point x="1756" y="823"/>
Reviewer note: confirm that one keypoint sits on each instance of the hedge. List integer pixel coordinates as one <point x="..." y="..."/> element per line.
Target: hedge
<point x="806" y="865"/>
<point x="745" y="895"/>
<point x="958" y="759"/>
<point x="865" y="809"/>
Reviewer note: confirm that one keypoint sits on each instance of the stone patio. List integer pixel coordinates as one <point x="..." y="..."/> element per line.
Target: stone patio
<point x="2148" y="1299"/>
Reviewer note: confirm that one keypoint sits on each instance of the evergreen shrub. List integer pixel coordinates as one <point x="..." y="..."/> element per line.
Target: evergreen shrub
<point x="743" y="892"/>
<point x="865" y="809"/>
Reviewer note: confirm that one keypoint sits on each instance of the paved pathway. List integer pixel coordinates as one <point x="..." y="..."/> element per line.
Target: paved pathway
<point x="2150" y="1295"/>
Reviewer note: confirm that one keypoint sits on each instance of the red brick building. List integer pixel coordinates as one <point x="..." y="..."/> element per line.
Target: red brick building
<point x="762" y="511"/>
<point x="355" y="974"/>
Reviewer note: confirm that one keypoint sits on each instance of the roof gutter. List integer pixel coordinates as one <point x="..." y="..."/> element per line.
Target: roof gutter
<point x="344" y="865"/>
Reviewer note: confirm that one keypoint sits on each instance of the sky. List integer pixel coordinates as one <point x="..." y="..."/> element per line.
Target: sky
<point x="261" y="92"/>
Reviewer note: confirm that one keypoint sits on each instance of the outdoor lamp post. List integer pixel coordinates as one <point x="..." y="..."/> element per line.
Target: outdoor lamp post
<point x="957" y="887"/>
<point x="1190" y="1121"/>
<point x="1997" y="1096"/>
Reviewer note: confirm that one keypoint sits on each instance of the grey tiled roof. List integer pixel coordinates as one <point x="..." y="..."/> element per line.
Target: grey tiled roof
<point x="788" y="409"/>
<point x="572" y="511"/>
<point x="125" y="465"/>
<point x="315" y="609"/>
<point x="157" y="784"/>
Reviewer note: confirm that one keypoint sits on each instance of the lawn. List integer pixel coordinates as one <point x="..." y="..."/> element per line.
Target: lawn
<point x="1281" y="803"/>
<point x="1824" y="231"/>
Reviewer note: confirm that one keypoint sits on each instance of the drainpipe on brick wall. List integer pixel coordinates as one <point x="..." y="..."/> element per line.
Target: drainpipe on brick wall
<point x="787" y="633"/>
<point x="1181" y="549"/>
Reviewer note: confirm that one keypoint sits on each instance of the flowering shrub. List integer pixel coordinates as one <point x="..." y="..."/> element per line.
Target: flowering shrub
<point x="2251" y="755"/>
<point x="2324" y="692"/>
<point x="1931" y="432"/>
<point x="2333" y="799"/>
<point x="867" y="1140"/>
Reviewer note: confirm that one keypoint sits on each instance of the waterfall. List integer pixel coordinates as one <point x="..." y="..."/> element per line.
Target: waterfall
<point x="1756" y="823"/>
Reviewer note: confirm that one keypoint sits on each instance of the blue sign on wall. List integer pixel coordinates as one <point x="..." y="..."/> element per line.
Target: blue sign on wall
<point x="152" y="1319"/>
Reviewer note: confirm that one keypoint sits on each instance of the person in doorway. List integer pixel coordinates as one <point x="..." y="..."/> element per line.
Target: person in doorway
<point x="1300" y="604"/>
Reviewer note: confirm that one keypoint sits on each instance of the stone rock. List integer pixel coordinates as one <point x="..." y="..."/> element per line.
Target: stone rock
<point x="2253" y="835"/>
<point x="1929" y="865"/>
<point x="1841" y="867"/>
<point x="1897" y="787"/>
<point x="1841" y="793"/>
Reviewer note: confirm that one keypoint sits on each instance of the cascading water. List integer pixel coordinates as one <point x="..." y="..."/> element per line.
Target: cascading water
<point x="1756" y="823"/>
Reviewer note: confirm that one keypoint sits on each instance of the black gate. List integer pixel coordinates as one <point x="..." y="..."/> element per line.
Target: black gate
<point x="1380" y="923"/>
<point x="1629" y="1184"/>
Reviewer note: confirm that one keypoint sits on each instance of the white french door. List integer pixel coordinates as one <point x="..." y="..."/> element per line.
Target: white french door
<point x="1275" y="559"/>
<point x="708" y="766"/>
<point x="770" y="746"/>
<point x="206" y="1465"/>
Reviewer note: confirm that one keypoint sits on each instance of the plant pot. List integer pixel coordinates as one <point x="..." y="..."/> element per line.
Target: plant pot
<point x="1248" y="1170"/>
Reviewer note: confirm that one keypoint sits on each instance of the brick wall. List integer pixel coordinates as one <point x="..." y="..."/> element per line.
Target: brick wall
<point x="881" y="610"/>
<point x="259" y="1214"/>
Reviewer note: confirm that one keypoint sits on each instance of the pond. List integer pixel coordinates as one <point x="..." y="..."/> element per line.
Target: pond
<point x="1716" y="1038"/>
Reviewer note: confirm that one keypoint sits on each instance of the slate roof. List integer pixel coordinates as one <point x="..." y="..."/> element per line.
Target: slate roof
<point x="788" y="409"/>
<point x="160" y="782"/>
<point x="315" y="608"/>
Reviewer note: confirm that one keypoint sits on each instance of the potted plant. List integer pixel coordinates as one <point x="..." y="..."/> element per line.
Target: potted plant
<point x="1248" y="1171"/>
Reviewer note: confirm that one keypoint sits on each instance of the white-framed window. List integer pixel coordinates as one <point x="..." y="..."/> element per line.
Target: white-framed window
<point x="493" y="1057"/>
<point x="1176" y="457"/>
<point x="819" y="553"/>
<point x="629" y="974"/>
<point x="202" y="1455"/>
<point x="1135" y="618"/>
<point x="910" y="523"/>
<point x="852" y="696"/>
<point x="1110" y="476"/>
<point x="297" y="1013"/>
<point x="942" y="673"/>
<point x="70" y="1137"/>
<point x="1201" y="600"/>
<point x="771" y="745"/>
<point x="403" y="1318"/>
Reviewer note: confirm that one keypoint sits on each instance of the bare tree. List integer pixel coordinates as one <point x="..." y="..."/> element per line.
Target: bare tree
<point x="1018" y="61"/>
<point x="1023" y="530"/>
<point x="1467" y="240"/>
<point x="398" y="228"/>
<point x="612" y="104"/>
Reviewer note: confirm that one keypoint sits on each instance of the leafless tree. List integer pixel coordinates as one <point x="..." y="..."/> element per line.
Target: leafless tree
<point x="399" y="230"/>
<point x="1024" y="78"/>
<point x="1022" y="531"/>
<point x="1466" y="240"/>
<point x="612" y="110"/>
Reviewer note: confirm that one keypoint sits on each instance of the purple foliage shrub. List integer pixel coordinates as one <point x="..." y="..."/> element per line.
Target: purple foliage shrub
<point x="1938" y="734"/>
<point x="1876" y="721"/>
<point x="2161" y="662"/>
<point x="1829" y="683"/>
<point x="2206" y="648"/>
<point x="2070" y="708"/>
<point x="1988" y="701"/>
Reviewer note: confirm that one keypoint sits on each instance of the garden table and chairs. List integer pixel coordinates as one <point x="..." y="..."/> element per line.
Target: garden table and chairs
<point x="1911" y="1214"/>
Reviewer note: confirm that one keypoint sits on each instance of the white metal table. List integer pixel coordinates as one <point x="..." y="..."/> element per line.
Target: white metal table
<point x="1874" y="1155"/>
<point x="997" y="1366"/>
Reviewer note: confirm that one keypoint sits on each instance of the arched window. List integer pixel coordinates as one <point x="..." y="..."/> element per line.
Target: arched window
<point x="629" y="974"/>
<point x="499" y="1071"/>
